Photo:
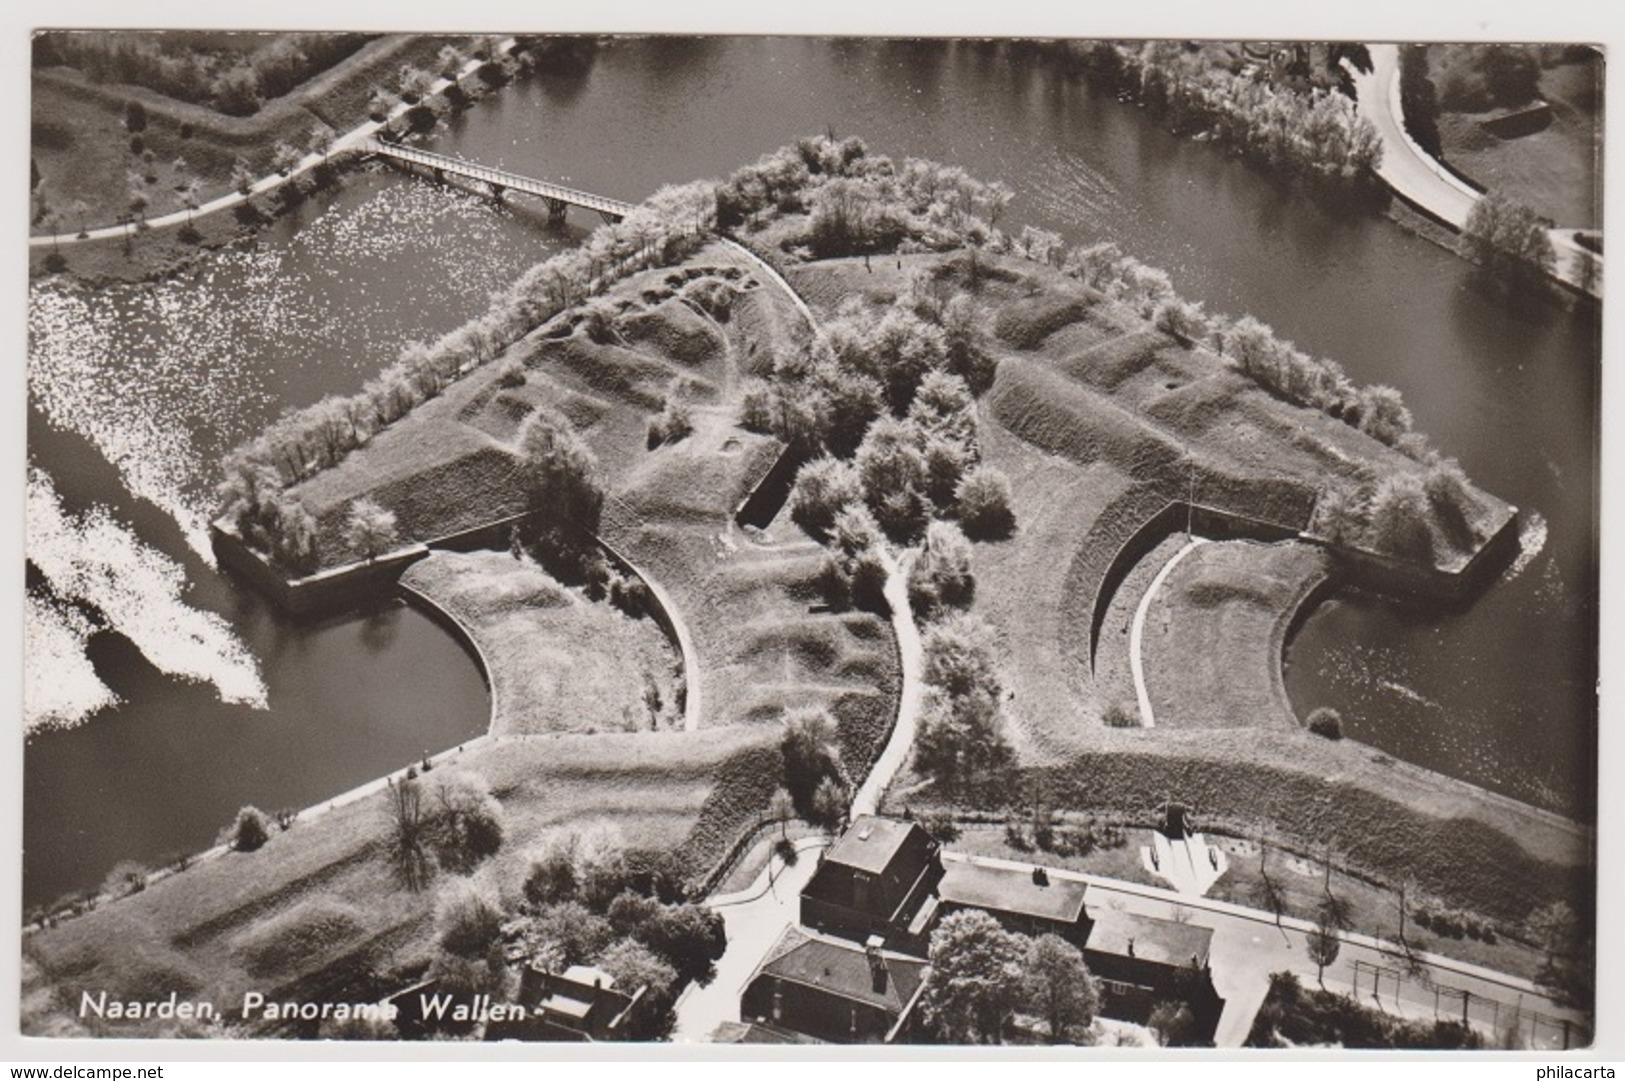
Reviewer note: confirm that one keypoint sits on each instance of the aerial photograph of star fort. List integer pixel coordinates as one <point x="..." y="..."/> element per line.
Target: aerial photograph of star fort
<point x="799" y="540"/>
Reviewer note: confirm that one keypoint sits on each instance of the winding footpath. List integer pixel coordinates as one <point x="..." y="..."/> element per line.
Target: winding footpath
<point x="1137" y="631"/>
<point x="356" y="139"/>
<point x="911" y="659"/>
<point x="1418" y="178"/>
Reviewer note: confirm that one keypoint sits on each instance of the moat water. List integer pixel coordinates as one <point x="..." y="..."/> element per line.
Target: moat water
<point x="1501" y="693"/>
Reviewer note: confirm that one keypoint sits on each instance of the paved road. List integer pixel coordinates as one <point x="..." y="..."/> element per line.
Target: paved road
<point x="1416" y="175"/>
<point x="753" y="918"/>
<point x="1406" y="167"/>
<point x="354" y="139"/>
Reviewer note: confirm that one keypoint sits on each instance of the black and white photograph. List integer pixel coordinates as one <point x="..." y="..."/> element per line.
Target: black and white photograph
<point x="797" y="539"/>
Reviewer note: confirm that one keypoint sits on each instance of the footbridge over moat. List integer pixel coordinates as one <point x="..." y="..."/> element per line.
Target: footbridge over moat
<point x="557" y="197"/>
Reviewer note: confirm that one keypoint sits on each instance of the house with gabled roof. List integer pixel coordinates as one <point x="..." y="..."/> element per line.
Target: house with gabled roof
<point x="877" y="879"/>
<point x="1141" y="960"/>
<point x="833" y="989"/>
<point x="1029" y="902"/>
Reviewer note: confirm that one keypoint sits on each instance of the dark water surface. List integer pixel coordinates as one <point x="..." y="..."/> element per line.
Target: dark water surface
<point x="1500" y="694"/>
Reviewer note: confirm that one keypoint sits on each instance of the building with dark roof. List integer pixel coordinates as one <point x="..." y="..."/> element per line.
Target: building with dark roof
<point x="1030" y="902"/>
<point x="1141" y="960"/>
<point x="581" y="1004"/>
<point x="875" y="880"/>
<point x="834" y="990"/>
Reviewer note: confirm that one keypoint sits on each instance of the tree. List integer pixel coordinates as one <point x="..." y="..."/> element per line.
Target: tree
<point x="940" y="823"/>
<point x="552" y="876"/>
<point x="892" y="470"/>
<point x="242" y="177"/>
<point x="1509" y="239"/>
<point x="960" y="657"/>
<point x="135" y="194"/>
<point x="783" y="808"/>
<point x="977" y="978"/>
<point x="249" y="831"/>
<point x="1059" y="986"/>
<point x="1401" y="518"/>
<point x="1327" y="722"/>
<point x="126" y="877"/>
<point x="560" y="472"/>
<point x="371" y="530"/>
<point x="135" y="117"/>
<point x="466" y="822"/>
<point x="414" y="83"/>
<point x="320" y="141"/>
<point x="378" y="106"/>
<point x="1555" y="928"/>
<point x="941" y="575"/>
<point x="191" y="196"/>
<point x="808" y="748"/>
<point x="690" y="937"/>
<point x="1324" y="946"/>
<point x="1174" y="1024"/>
<point x="983" y="499"/>
<point x="823" y="486"/>
<point x="449" y="61"/>
<point x="632" y="965"/>
<point x="829" y="805"/>
<point x="408" y="841"/>
<point x="961" y="739"/>
<point x="285" y="158"/>
<point x="1267" y="891"/>
<point x="467" y="918"/>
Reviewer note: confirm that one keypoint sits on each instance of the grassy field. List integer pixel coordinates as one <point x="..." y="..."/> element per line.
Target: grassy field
<point x="1557" y="170"/>
<point x="304" y="909"/>
<point x="1467" y="847"/>
<point x="450" y="463"/>
<point x="1099" y="424"/>
<point x="1214" y="634"/>
<point x="558" y="662"/>
<point x="749" y="597"/>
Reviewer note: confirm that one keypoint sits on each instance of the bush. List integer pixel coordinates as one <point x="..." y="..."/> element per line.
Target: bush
<point x="785" y="850"/>
<point x="465" y="821"/>
<point x="124" y="879"/>
<point x="249" y="832"/>
<point x="551" y="878"/>
<point x="941" y="575"/>
<point x="674" y="422"/>
<point x="1121" y="715"/>
<point x="135" y="117"/>
<point x="823" y="487"/>
<point x="1174" y="1024"/>
<point x="512" y="373"/>
<point x="1508" y="238"/>
<point x="1327" y="722"/>
<point x="983" y="501"/>
<point x="467" y="918"/>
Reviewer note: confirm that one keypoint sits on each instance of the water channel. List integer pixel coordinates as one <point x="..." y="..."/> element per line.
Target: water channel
<point x="1500" y="694"/>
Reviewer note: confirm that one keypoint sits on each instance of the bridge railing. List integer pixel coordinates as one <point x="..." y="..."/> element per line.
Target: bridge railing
<point x="543" y="188"/>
